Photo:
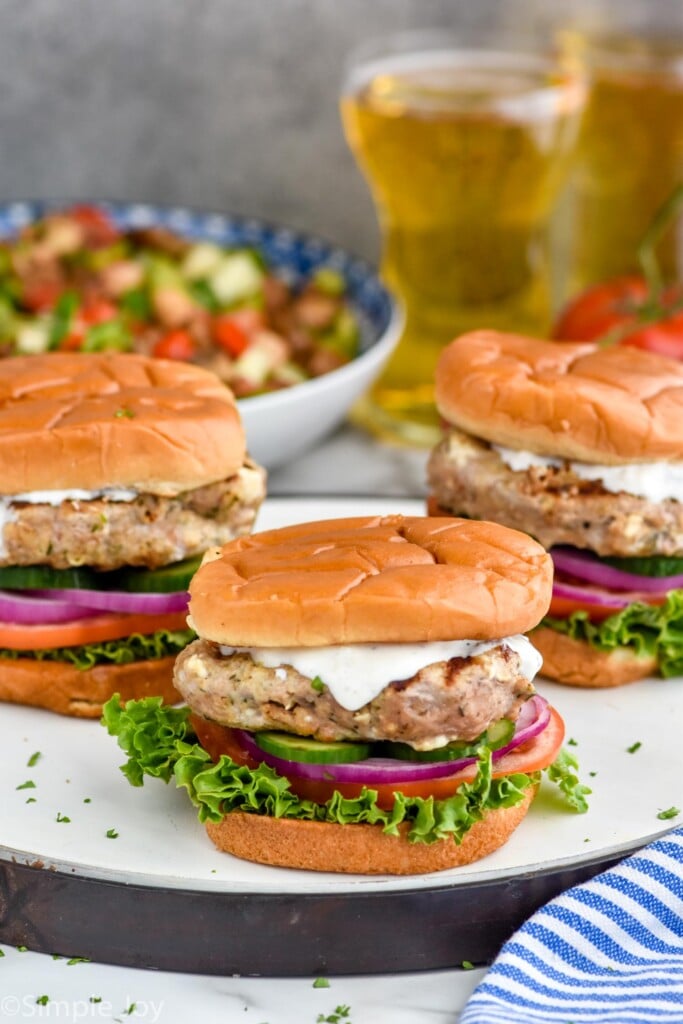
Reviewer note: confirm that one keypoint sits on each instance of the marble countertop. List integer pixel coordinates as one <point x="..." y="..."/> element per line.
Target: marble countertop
<point x="87" y="992"/>
<point x="349" y="463"/>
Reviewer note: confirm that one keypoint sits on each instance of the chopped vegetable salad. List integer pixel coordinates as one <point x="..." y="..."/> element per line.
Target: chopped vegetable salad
<point x="75" y="281"/>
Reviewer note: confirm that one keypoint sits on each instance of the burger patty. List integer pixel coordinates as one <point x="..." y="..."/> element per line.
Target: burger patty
<point x="149" y="531"/>
<point x="443" y="702"/>
<point x="468" y="477"/>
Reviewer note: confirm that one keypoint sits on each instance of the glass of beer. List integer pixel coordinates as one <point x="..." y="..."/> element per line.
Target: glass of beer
<point x="465" y="152"/>
<point x="630" y="156"/>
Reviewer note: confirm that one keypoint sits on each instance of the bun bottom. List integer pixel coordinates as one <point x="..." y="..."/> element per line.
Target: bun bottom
<point x="67" y="690"/>
<point x="358" y="849"/>
<point x="576" y="663"/>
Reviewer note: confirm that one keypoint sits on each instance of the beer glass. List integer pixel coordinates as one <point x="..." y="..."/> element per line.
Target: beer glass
<point x="464" y="151"/>
<point x="630" y="156"/>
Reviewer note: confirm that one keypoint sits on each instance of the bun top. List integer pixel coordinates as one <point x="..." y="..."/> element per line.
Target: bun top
<point x="390" y="579"/>
<point x="565" y="399"/>
<point x="114" y="420"/>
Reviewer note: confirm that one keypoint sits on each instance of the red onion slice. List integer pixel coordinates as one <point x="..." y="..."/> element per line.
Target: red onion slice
<point x="592" y="596"/>
<point x="585" y="566"/>
<point x="375" y="771"/>
<point x="25" y="608"/>
<point x="121" y="601"/>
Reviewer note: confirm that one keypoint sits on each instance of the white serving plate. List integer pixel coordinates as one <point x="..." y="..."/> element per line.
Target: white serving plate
<point x="161" y="844"/>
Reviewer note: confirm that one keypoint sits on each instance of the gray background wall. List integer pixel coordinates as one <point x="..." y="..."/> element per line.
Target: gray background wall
<point x="229" y="104"/>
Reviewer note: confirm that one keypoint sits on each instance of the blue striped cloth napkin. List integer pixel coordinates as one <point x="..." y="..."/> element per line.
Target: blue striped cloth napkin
<point x="610" y="950"/>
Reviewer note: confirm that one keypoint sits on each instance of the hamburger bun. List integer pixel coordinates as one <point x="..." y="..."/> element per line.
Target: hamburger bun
<point x="358" y="849"/>
<point x="562" y="399"/>
<point x="114" y="420"/>
<point x="61" y="687"/>
<point x="389" y="579"/>
<point x="576" y="663"/>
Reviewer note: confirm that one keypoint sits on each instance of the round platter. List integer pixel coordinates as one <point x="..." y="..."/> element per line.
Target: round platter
<point x="91" y="867"/>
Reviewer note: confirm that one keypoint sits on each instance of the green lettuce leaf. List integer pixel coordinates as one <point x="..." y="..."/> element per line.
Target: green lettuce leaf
<point x="654" y="630"/>
<point x="159" y="742"/>
<point x="564" y="772"/>
<point x="137" y="647"/>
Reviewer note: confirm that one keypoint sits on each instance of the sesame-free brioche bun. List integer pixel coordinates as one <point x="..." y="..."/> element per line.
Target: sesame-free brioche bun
<point x="390" y="579"/>
<point x="359" y="849"/>
<point x="564" y="399"/>
<point x="577" y="663"/>
<point x="61" y="687"/>
<point x="88" y="421"/>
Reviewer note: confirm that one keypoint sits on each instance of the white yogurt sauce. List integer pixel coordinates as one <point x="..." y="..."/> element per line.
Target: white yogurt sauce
<point x="356" y="673"/>
<point x="656" y="481"/>
<point x="8" y="513"/>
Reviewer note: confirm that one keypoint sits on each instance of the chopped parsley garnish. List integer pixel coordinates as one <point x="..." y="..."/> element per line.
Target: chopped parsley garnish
<point x="317" y="684"/>
<point x="634" y="746"/>
<point x="321" y="983"/>
<point x="77" y="960"/>
<point x="111" y="833"/>
<point x="341" y="1013"/>
<point x="34" y="759"/>
<point x="63" y="818"/>
<point x="671" y="812"/>
<point x="467" y="965"/>
<point x="43" y="1000"/>
<point x="29" y="784"/>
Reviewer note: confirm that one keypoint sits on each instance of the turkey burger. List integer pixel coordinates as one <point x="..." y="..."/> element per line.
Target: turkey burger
<point x="581" y="447"/>
<point x="360" y="698"/>
<point x="117" y="473"/>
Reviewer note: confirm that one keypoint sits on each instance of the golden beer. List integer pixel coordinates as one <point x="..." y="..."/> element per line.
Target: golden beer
<point x="464" y="152"/>
<point x="630" y="154"/>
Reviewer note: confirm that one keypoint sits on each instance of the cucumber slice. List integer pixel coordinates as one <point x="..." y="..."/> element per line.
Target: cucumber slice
<point x="43" y="577"/>
<point x="653" y="565"/>
<point x="497" y="735"/>
<point x="308" y="751"/>
<point x="167" y="580"/>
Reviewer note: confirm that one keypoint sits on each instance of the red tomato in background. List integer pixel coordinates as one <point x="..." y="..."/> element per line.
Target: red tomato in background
<point x="613" y="309"/>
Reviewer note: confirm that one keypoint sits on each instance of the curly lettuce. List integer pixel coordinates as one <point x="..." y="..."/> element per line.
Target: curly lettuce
<point x="137" y="647"/>
<point x="160" y="743"/>
<point x="648" y="630"/>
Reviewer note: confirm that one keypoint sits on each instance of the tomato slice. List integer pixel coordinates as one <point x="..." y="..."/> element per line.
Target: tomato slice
<point x="20" y="637"/>
<point x="563" y="607"/>
<point x="531" y="756"/>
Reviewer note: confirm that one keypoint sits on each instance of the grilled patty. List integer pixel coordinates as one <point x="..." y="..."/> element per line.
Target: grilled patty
<point x="443" y="702"/>
<point x="149" y="531"/>
<point x="468" y="477"/>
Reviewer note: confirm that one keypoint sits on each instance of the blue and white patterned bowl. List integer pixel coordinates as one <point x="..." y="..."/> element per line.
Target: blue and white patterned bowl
<point x="283" y="424"/>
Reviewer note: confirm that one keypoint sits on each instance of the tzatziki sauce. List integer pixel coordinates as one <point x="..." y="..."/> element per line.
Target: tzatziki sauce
<point x="356" y="673"/>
